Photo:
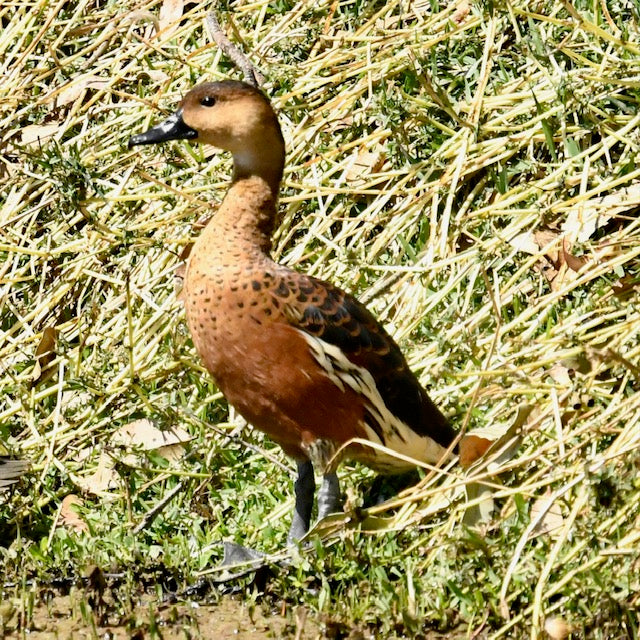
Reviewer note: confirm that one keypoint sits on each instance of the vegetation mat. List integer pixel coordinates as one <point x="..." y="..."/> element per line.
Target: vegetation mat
<point x="467" y="169"/>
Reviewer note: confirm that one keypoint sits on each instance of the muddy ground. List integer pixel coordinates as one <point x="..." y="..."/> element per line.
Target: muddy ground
<point x="73" y="618"/>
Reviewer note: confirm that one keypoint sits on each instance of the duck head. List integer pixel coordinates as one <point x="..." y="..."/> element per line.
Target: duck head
<point x="230" y="115"/>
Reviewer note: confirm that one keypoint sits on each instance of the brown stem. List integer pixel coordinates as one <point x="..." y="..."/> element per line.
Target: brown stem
<point x="251" y="74"/>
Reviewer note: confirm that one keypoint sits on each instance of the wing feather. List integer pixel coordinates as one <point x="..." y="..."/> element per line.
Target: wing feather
<point x="330" y="314"/>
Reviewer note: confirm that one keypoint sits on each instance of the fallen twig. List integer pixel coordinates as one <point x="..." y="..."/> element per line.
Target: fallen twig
<point x="251" y="74"/>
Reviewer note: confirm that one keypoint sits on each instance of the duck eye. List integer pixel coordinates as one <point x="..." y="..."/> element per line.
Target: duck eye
<point x="208" y="101"/>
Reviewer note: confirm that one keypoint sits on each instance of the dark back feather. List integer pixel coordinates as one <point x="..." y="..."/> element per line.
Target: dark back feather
<point x="329" y="313"/>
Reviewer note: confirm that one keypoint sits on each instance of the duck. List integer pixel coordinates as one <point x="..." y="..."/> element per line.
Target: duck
<point x="299" y="358"/>
<point x="11" y="470"/>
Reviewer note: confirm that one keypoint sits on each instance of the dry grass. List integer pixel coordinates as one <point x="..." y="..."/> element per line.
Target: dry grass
<point x="469" y="172"/>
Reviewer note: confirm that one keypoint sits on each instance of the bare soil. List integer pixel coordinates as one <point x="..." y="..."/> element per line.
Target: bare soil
<point x="72" y="617"/>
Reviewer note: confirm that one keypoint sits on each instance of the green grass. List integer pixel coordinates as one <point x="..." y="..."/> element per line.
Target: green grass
<point x="475" y="129"/>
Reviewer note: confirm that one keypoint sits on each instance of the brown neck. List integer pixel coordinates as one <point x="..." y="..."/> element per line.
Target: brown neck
<point x="269" y="173"/>
<point x="265" y="161"/>
<point x="244" y="222"/>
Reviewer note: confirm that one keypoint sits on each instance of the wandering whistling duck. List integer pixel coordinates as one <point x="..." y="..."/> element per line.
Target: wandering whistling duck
<point x="299" y="358"/>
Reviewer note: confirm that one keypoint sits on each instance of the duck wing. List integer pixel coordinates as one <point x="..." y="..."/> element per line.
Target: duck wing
<point x="335" y="318"/>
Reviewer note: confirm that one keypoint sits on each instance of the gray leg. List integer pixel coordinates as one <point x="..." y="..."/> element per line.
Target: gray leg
<point x="305" y="488"/>
<point x="329" y="496"/>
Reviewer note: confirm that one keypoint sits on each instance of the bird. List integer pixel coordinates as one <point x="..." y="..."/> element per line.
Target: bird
<point x="299" y="358"/>
<point x="10" y="470"/>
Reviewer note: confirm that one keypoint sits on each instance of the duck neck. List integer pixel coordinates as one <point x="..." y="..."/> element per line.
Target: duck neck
<point x="245" y="220"/>
<point x="267" y="169"/>
<point x="247" y="215"/>
<point x="260" y="154"/>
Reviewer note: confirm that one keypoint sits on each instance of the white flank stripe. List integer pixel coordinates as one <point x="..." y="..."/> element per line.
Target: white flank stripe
<point x="397" y="435"/>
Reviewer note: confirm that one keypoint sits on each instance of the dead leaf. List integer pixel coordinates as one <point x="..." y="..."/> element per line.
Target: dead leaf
<point x="462" y="11"/>
<point x="76" y="88"/>
<point x="69" y="516"/>
<point x="586" y="217"/>
<point x="170" y="15"/>
<point x="480" y="443"/>
<point x="33" y="134"/>
<point x="574" y="263"/>
<point x="546" y="269"/>
<point x="526" y="243"/>
<point x="579" y="363"/>
<point x="557" y="264"/>
<point x="548" y="239"/>
<point x="551" y="522"/>
<point x="47" y="342"/>
<point x="609" y="356"/>
<point x="155" y="75"/>
<point x="625" y="287"/>
<point x="496" y="444"/>
<point x="143" y="16"/>
<point x="365" y="163"/>
<point x="563" y="276"/>
<point x="542" y="242"/>
<point x="45" y="352"/>
<point x="484" y="506"/>
<point x="104" y="478"/>
<point x="557" y="628"/>
<point x="566" y="266"/>
<point x="560" y="374"/>
<point x="172" y="452"/>
<point x="143" y="434"/>
<point x="547" y="242"/>
<point x="472" y="448"/>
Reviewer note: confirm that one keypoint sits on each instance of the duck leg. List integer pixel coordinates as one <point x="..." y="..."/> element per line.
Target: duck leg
<point x="305" y="488"/>
<point x="329" y="495"/>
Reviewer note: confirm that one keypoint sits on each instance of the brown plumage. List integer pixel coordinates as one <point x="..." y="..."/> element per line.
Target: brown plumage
<point x="299" y="358"/>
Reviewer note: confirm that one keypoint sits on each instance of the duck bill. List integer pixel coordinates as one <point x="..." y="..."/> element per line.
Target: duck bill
<point x="173" y="128"/>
